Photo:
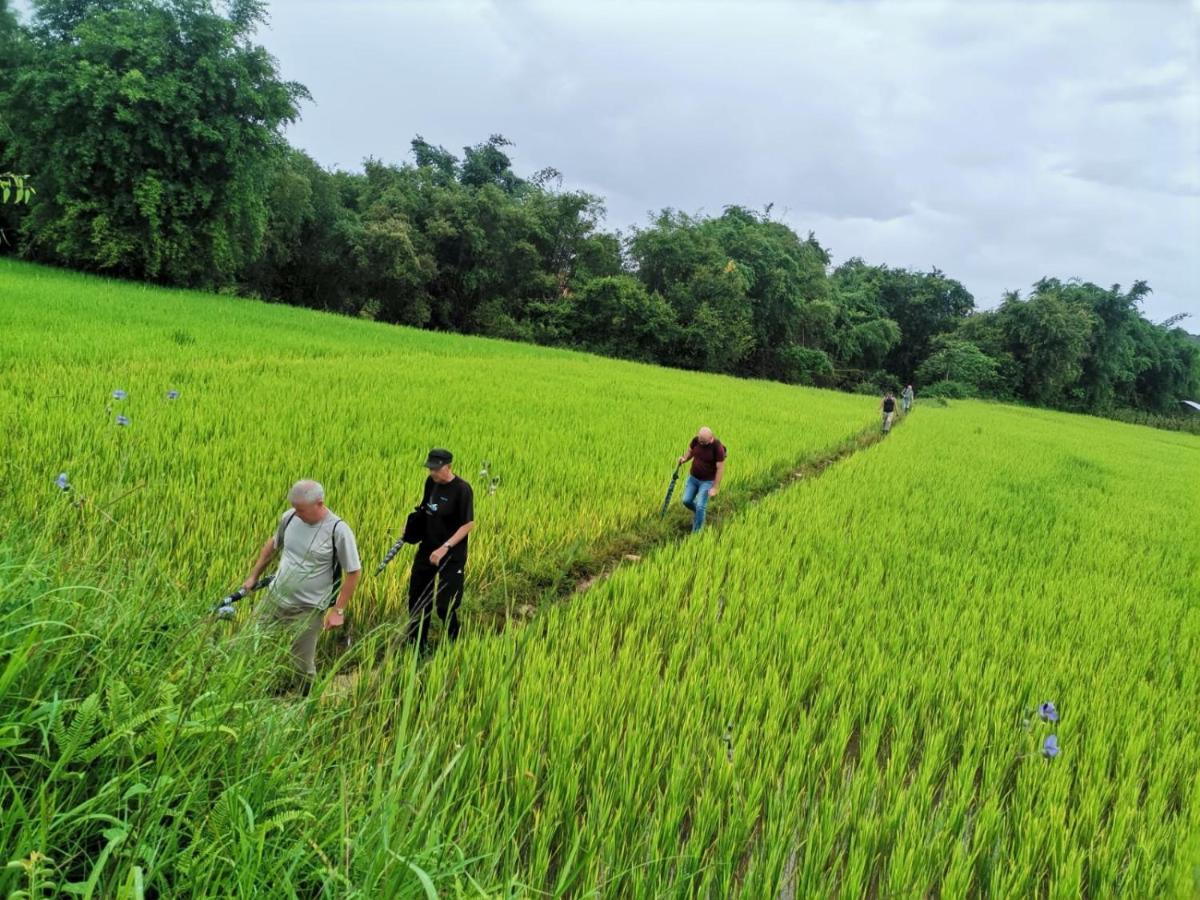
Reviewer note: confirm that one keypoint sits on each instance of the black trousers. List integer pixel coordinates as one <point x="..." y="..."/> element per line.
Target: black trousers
<point x="428" y="588"/>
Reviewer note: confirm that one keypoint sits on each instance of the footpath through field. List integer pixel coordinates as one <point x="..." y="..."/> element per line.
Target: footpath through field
<point x="633" y="548"/>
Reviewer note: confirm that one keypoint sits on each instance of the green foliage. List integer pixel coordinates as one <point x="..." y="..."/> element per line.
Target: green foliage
<point x="803" y="365"/>
<point x="921" y="305"/>
<point x="154" y="129"/>
<point x="950" y="390"/>
<point x="15" y="188"/>
<point x="750" y="295"/>
<point x="1181" y="421"/>
<point x="616" y="316"/>
<point x="1048" y="336"/>
<point x="957" y="361"/>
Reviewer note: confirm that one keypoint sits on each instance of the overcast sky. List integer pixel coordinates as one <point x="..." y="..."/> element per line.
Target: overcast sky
<point x="998" y="141"/>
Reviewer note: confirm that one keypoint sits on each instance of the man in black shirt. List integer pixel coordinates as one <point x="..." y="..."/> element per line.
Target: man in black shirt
<point x="888" y="407"/>
<point x="448" y="505"/>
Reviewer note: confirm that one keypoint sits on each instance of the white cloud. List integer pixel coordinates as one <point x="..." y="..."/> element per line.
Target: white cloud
<point x="999" y="141"/>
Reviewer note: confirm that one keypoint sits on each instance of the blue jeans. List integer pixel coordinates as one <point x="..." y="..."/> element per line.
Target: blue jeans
<point x="695" y="498"/>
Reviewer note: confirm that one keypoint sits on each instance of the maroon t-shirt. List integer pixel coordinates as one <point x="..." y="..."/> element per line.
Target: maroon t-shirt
<point x="705" y="458"/>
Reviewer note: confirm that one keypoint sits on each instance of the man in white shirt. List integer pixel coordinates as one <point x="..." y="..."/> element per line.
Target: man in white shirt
<point x="318" y="563"/>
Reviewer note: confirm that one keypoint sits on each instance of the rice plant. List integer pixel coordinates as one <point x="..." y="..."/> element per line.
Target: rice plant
<point x="959" y="662"/>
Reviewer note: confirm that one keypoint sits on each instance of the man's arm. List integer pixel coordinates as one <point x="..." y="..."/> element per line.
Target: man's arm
<point x="345" y="548"/>
<point x="686" y="456"/>
<point x="455" y="539"/>
<point x="712" y="491"/>
<point x="337" y="615"/>
<point x="264" y="557"/>
<point x="349" y="585"/>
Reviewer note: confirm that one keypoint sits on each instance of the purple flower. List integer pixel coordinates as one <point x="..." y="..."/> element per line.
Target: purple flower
<point x="1048" y="712"/>
<point x="61" y="481"/>
<point x="172" y="395"/>
<point x="1050" y="747"/>
<point x="122" y="420"/>
<point x="119" y="394"/>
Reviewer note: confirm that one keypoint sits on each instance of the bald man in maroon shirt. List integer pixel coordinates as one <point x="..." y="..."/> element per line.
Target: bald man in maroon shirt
<point x="708" y="466"/>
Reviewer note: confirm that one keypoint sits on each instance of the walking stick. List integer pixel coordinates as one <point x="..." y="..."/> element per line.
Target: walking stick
<point x="224" y="609"/>
<point x="670" y="490"/>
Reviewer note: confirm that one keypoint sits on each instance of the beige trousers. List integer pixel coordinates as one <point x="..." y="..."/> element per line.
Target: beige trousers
<point x="305" y="629"/>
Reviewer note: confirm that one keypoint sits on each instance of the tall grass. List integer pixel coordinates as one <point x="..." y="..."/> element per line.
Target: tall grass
<point x="834" y="694"/>
<point x="182" y="496"/>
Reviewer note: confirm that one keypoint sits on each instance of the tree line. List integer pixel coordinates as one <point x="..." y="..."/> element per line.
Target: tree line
<point x="153" y="133"/>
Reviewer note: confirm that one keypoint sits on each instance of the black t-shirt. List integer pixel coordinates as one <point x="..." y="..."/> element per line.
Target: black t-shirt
<point x="447" y="508"/>
<point x="888" y="404"/>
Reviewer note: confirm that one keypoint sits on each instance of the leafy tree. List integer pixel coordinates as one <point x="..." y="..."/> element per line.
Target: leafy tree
<point x="863" y="336"/>
<point x="1048" y="335"/>
<point x="153" y="126"/>
<point x="312" y="252"/>
<point x="1110" y="365"/>
<point x="959" y="361"/>
<point x="1168" y="367"/>
<point x="719" y="333"/>
<point x="487" y="163"/>
<point x="985" y="330"/>
<point x="15" y="187"/>
<point x="804" y="365"/>
<point x="748" y="292"/>
<point x="615" y="316"/>
<point x="924" y="305"/>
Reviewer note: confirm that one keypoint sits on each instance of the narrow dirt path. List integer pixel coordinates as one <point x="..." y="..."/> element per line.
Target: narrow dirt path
<point x="585" y="578"/>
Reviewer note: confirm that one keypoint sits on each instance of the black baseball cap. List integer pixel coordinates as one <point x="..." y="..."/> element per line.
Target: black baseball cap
<point x="439" y="457"/>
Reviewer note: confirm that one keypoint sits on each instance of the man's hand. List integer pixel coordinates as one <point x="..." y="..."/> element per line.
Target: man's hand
<point x="681" y="461"/>
<point x="712" y="491"/>
<point x="249" y="583"/>
<point x="334" y="618"/>
<point x="438" y="555"/>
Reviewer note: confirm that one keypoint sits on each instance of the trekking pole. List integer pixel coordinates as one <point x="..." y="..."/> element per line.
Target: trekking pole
<point x="225" y="609"/>
<point x="391" y="554"/>
<point x="670" y="490"/>
<point x="414" y="532"/>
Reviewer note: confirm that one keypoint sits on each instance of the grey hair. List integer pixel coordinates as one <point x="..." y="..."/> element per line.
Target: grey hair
<point x="306" y="491"/>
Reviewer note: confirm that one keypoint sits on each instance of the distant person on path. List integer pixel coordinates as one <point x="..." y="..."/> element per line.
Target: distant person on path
<point x="906" y="398"/>
<point x="708" y="466"/>
<point x="439" y="567"/>
<point x="888" y="406"/>
<point x="318" y="563"/>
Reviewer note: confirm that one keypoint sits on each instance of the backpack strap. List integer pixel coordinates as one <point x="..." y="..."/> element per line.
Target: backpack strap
<point x="337" y="564"/>
<point x="282" y="528"/>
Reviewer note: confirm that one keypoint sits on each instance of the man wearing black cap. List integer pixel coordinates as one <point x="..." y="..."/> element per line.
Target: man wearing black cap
<point x="448" y="505"/>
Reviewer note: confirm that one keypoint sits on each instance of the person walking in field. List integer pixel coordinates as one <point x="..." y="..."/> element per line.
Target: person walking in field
<point x="439" y="567"/>
<point x="708" y="467"/>
<point x="906" y="398"/>
<point x="888" y="406"/>
<point x="318" y="563"/>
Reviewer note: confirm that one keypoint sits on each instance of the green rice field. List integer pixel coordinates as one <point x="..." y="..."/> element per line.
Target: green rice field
<point x="963" y="660"/>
